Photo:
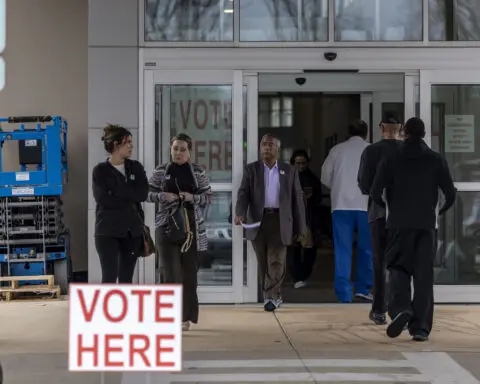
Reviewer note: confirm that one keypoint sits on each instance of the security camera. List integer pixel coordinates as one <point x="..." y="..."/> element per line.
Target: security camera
<point x="330" y="56"/>
<point x="300" y="80"/>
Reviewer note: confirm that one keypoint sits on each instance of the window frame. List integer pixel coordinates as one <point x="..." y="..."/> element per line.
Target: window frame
<point x="425" y="42"/>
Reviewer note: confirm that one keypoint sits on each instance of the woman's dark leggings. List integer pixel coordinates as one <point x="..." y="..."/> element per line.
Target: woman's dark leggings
<point x="180" y="268"/>
<point x="118" y="257"/>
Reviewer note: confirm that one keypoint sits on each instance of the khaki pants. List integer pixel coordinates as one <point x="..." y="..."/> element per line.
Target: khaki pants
<point x="271" y="256"/>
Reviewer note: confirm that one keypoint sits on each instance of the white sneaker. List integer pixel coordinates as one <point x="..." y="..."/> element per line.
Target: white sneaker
<point x="186" y="326"/>
<point x="300" y="284"/>
<point x="365" y="296"/>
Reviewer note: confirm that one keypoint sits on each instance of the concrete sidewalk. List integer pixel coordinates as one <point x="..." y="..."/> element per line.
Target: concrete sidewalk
<point x="318" y="343"/>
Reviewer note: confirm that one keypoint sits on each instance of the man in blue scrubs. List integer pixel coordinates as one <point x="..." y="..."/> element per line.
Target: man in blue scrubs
<point x="349" y="214"/>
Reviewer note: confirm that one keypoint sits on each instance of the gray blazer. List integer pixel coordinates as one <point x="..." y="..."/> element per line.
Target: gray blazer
<point x="251" y="200"/>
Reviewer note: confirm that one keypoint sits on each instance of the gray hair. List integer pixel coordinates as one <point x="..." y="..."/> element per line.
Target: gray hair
<point x="277" y="140"/>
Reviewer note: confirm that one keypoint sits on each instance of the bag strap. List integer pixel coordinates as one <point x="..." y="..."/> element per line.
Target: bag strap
<point x="189" y="240"/>
<point x="140" y="219"/>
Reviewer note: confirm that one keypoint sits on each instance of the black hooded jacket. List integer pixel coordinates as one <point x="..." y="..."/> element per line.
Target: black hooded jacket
<point x="412" y="177"/>
<point x="372" y="156"/>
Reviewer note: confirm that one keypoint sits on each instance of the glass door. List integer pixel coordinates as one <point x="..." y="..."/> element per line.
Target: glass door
<point x="208" y="106"/>
<point x="450" y="108"/>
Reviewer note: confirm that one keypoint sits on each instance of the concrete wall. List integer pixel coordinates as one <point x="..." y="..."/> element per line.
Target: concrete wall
<point x="112" y="88"/>
<point x="46" y="73"/>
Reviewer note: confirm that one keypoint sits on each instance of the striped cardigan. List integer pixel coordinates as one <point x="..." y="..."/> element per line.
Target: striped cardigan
<point x="200" y="199"/>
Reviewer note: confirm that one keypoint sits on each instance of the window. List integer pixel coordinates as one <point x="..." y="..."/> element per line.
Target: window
<point x="283" y="20"/>
<point x="455" y="119"/>
<point x="275" y="112"/>
<point x="453" y="20"/>
<point x="188" y="20"/>
<point x="378" y="20"/>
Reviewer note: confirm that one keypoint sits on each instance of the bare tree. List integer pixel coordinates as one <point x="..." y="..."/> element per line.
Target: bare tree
<point x="183" y="20"/>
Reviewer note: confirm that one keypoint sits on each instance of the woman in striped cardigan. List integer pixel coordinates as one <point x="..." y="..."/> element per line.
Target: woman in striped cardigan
<point x="181" y="179"/>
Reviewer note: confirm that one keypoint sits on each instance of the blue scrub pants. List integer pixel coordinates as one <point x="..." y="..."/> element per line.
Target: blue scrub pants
<point x="344" y="225"/>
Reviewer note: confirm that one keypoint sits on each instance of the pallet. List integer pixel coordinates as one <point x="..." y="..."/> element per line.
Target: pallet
<point x="49" y="290"/>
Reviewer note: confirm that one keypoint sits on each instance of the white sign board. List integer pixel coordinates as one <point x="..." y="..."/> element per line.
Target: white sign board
<point x="459" y="133"/>
<point x="125" y="328"/>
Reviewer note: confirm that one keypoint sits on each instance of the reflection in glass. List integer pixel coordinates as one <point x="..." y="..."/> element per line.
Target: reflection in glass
<point x="450" y="20"/>
<point x="283" y="20"/>
<point x="378" y="20"/>
<point x="215" y="265"/>
<point x="455" y="128"/>
<point x="458" y="254"/>
<point x="188" y="20"/>
<point x="275" y="111"/>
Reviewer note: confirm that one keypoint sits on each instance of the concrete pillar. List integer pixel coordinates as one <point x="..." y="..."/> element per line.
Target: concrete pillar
<point x="112" y="88"/>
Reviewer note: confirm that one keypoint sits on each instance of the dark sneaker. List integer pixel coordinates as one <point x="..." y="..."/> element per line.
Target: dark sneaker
<point x="420" y="336"/>
<point x="397" y="326"/>
<point x="269" y="306"/>
<point x="378" y="318"/>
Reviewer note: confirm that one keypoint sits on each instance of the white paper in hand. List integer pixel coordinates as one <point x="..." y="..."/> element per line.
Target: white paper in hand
<point x="251" y="226"/>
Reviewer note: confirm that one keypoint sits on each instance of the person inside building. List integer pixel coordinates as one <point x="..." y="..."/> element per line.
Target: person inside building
<point x="270" y="194"/>
<point x="119" y="186"/>
<point x="302" y="254"/>
<point x="181" y="180"/>
<point x="371" y="157"/>
<point x="349" y="214"/>
<point x="410" y="180"/>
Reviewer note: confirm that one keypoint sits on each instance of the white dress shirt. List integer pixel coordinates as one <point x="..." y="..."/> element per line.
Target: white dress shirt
<point x="340" y="175"/>
<point x="272" y="186"/>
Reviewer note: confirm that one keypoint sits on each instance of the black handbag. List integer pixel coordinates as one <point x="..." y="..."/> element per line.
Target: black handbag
<point x="178" y="230"/>
<point x="148" y="245"/>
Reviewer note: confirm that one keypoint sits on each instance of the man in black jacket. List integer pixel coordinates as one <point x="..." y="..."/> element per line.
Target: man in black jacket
<point x="411" y="178"/>
<point x="371" y="158"/>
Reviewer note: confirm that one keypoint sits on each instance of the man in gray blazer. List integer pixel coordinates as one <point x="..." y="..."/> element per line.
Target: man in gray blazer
<point x="270" y="193"/>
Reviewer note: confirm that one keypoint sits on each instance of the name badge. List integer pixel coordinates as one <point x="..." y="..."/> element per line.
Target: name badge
<point x="132" y="177"/>
<point x="282" y="172"/>
<point x="167" y="177"/>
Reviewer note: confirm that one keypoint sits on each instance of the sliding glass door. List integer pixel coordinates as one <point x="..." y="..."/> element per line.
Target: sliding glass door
<point x="450" y="107"/>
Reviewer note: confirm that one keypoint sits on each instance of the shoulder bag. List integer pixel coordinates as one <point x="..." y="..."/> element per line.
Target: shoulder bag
<point x="148" y="245"/>
<point x="179" y="231"/>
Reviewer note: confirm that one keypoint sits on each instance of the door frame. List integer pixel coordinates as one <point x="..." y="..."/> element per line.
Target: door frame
<point x="448" y="293"/>
<point x="147" y="144"/>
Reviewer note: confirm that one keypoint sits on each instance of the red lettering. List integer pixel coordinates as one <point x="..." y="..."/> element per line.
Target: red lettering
<point x="200" y="124"/>
<point x="82" y="349"/>
<point x="139" y="350"/>
<point x="199" y="153"/>
<point x="216" y="107"/>
<point x="159" y="305"/>
<point x="122" y="315"/>
<point x="228" y="155"/>
<point x="109" y="349"/>
<point x="227" y="110"/>
<point x="215" y="152"/>
<point x="185" y="115"/>
<point x="88" y="314"/>
<point x="141" y="295"/>
<point x="160" y="350"/>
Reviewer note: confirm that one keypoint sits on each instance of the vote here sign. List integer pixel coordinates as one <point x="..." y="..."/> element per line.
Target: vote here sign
<point x="125" y="328"/>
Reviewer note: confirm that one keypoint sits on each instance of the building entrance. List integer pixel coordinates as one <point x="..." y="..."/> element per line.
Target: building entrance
<point x="315" y="121"/>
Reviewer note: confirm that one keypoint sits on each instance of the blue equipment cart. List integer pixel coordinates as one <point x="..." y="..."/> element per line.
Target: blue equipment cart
<point x="33" y="237"/>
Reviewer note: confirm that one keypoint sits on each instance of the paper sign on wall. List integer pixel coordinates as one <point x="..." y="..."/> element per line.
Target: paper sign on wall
<point x="459" y="133"/>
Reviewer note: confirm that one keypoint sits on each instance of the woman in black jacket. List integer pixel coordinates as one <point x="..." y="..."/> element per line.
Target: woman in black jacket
<point x="119" y="186"/>
<point x="302" y="255"/>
